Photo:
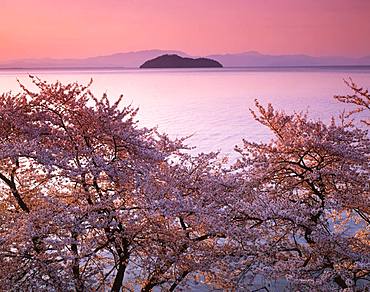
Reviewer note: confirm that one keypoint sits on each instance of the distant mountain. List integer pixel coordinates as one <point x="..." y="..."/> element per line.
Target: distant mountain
<point x="255" y="59"/>
<point x="135" y="59"/>
<point x="175" y="61"/>
<point x="120" y="60"/>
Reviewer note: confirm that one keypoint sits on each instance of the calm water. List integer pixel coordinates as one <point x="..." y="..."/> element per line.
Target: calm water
<point x="211" y="105"/>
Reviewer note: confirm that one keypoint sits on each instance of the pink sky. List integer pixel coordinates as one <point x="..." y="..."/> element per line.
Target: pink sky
<point x="82" y="28"/>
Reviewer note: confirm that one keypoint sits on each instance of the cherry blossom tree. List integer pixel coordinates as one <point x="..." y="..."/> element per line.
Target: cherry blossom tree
<point x="92" y="202"/>
<point x="304" y="214"/>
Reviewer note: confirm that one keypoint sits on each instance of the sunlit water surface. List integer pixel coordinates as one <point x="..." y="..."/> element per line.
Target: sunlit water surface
<point x="211" y="105"/>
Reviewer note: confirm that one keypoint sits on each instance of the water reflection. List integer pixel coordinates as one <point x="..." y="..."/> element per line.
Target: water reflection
<point x="213" y="105"/>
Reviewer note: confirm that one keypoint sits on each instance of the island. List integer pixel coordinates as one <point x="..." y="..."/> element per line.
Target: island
<point x="175" y="61"/>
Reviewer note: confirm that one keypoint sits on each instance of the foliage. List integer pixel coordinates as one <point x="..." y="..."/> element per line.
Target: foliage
<point x="308" y="200"/>
<point x="92" y="202"/>
<point x="86" y="193"/>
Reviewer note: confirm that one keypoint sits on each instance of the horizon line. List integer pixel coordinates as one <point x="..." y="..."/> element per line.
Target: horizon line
<point x="187" y="69"/>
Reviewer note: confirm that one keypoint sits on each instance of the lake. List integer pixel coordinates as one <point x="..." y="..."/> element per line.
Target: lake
<point x="212" y="105"/>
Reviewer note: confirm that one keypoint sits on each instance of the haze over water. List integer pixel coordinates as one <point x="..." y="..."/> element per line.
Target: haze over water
<point x="211" y="105"/>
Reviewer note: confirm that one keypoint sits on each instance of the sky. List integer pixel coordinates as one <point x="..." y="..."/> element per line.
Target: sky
<point x="83" y="28"/>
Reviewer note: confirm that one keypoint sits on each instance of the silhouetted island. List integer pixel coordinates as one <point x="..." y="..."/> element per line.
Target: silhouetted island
<point x="175" y="61"/>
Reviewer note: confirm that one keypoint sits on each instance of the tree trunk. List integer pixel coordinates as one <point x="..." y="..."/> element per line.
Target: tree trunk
<point x="79" y="285"/>
<point x="117" y="284"/>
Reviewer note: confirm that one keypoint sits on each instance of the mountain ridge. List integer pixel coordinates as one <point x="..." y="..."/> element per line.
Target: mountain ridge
<point x="256" y="59"/>
<point x="134" y="59"/>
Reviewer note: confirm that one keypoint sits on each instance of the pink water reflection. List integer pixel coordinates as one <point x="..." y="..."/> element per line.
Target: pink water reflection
<point x="210" y="104"/>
